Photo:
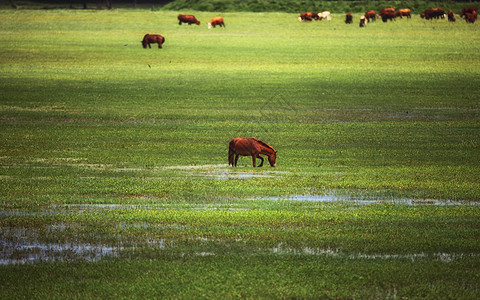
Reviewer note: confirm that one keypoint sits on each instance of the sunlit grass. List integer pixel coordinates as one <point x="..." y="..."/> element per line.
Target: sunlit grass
<point x="120" y="152"/>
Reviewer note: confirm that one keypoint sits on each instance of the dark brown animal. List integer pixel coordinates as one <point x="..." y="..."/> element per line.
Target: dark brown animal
<point x="371" y="15"/>
<point x="451" y="16"/>
<point x="469" y="9"/>
<point x="433" y="13"/>
<point x="190" y="19"/>
<point x="152" y="39"/>
<point x="403" y="12"/>
<point x="308" y="16"/>
<point x="384" y="10"/>
<point x="387" y="15"/>
<point x="348" y="18"/>
<point x="216" y="21"/>
<point x="250" y="147"/>
<point x="471" y="17"/>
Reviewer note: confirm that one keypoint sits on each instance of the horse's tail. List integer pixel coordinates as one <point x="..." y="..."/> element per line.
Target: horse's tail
<point x="231" y="153"/>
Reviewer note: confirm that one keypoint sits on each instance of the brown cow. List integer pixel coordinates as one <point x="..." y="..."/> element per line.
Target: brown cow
<point x="348" y="18"/>
<point x="469" y="9"/>
<point x="190" y="19"/>
<point x="451" y="16"/>
<point x="216" y="21"/>
<point x="362" y="21"/>
<point x="390" y="9"/>
<point x="387" y="15"/>
<point x="308" y="16"/>
<point x="152" y="39"/>
<point x="433" y="13"/>
<point x="370" y="15"/>
<point x="471" y="17"/>
<point x="403" y="12"/>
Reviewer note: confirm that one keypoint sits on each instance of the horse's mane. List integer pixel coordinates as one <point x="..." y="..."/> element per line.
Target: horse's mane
<point x="264" y="144"/>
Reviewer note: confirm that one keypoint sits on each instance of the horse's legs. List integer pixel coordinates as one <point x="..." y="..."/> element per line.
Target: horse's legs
<point x="261" y="164"/>
<point x="236" y="159"/>
<point x="149" y="46"/>
<point x="254" y="158"/>
<point x="159" y="45"/>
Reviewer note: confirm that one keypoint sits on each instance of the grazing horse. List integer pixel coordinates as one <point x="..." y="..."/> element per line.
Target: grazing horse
<point x="152" y="39"/>
<point x="250" y="147"/>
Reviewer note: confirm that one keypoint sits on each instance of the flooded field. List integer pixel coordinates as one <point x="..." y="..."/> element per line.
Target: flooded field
<point x="94" y="232"/>
<point x="24" y="246"/>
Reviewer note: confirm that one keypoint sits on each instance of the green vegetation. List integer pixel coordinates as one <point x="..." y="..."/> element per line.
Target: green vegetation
<point x="113" y="172"/>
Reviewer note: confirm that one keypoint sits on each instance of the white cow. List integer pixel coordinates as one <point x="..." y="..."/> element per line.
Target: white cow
<point x="324" y="15"/>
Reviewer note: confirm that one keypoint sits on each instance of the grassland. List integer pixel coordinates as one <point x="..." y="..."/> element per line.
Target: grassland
<point x="113" y="158"/>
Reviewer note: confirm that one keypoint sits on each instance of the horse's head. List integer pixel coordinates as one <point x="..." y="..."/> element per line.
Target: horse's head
<point x="272" y="158"/>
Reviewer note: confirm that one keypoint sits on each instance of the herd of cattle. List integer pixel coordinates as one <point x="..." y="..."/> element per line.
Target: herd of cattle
<point x="468" y="13"/>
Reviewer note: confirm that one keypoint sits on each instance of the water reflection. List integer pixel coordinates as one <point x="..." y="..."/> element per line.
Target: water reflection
<point x="366" y="201"/>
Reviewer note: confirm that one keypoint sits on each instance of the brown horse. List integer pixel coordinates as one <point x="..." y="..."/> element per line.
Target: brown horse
<point x="250" y="147"/>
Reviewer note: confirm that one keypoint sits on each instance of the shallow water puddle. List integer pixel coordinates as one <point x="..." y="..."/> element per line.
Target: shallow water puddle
<point x="366" y="201"/>
<point x="223" y="172"/>
<point x="443" y="256"/>
<point x="23" y="245"/>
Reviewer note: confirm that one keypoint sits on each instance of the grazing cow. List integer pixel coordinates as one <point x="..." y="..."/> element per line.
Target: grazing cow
<point x="471" y="17"/>
<point x="433" y="13"/>
<point x="190" y="19"/>
<point x="390" y="9"/>
<point x="469" y="9"/>
<point x="216" y="21"/>
<point x="371" y="15"/>
<point x="387" y="15"/>
<point x="308" y="16"/>
<point x="152" y="39"/>
<point x="403" y="12"/>
<point x="362" y="21"/>
<point x="348" y="18"/>
<point x="324" y="15"/>
<point x="451" y="16"/>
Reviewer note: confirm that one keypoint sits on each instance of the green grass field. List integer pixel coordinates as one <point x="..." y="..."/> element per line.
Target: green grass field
<point x="113" y="158"/>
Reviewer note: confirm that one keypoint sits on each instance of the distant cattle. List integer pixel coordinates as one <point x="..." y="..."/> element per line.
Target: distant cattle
<point x="469" y="9"/>
<point x="216" y="21"/>
<point x="152" y="39"/>
<point x="384" y="10"/>
<point x="348" y="18"/>
<point x="190" y="19"/>
<point x="324" y="15"/>
<point x="471" y="17"/>
<point x="451" y="16"/>
<point x="308" y="16"/>
<point x="370" y="15"/>
<point x="387" y="15"/>
<point x="363" y="22"/>
<point x="403" y="12"/>
<point x="433" y="13"/>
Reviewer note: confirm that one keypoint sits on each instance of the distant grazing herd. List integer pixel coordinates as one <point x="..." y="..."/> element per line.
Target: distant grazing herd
<point x="468" y="13"/>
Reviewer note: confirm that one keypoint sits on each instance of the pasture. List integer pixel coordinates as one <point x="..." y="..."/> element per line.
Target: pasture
<point x="114" y="176"/>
